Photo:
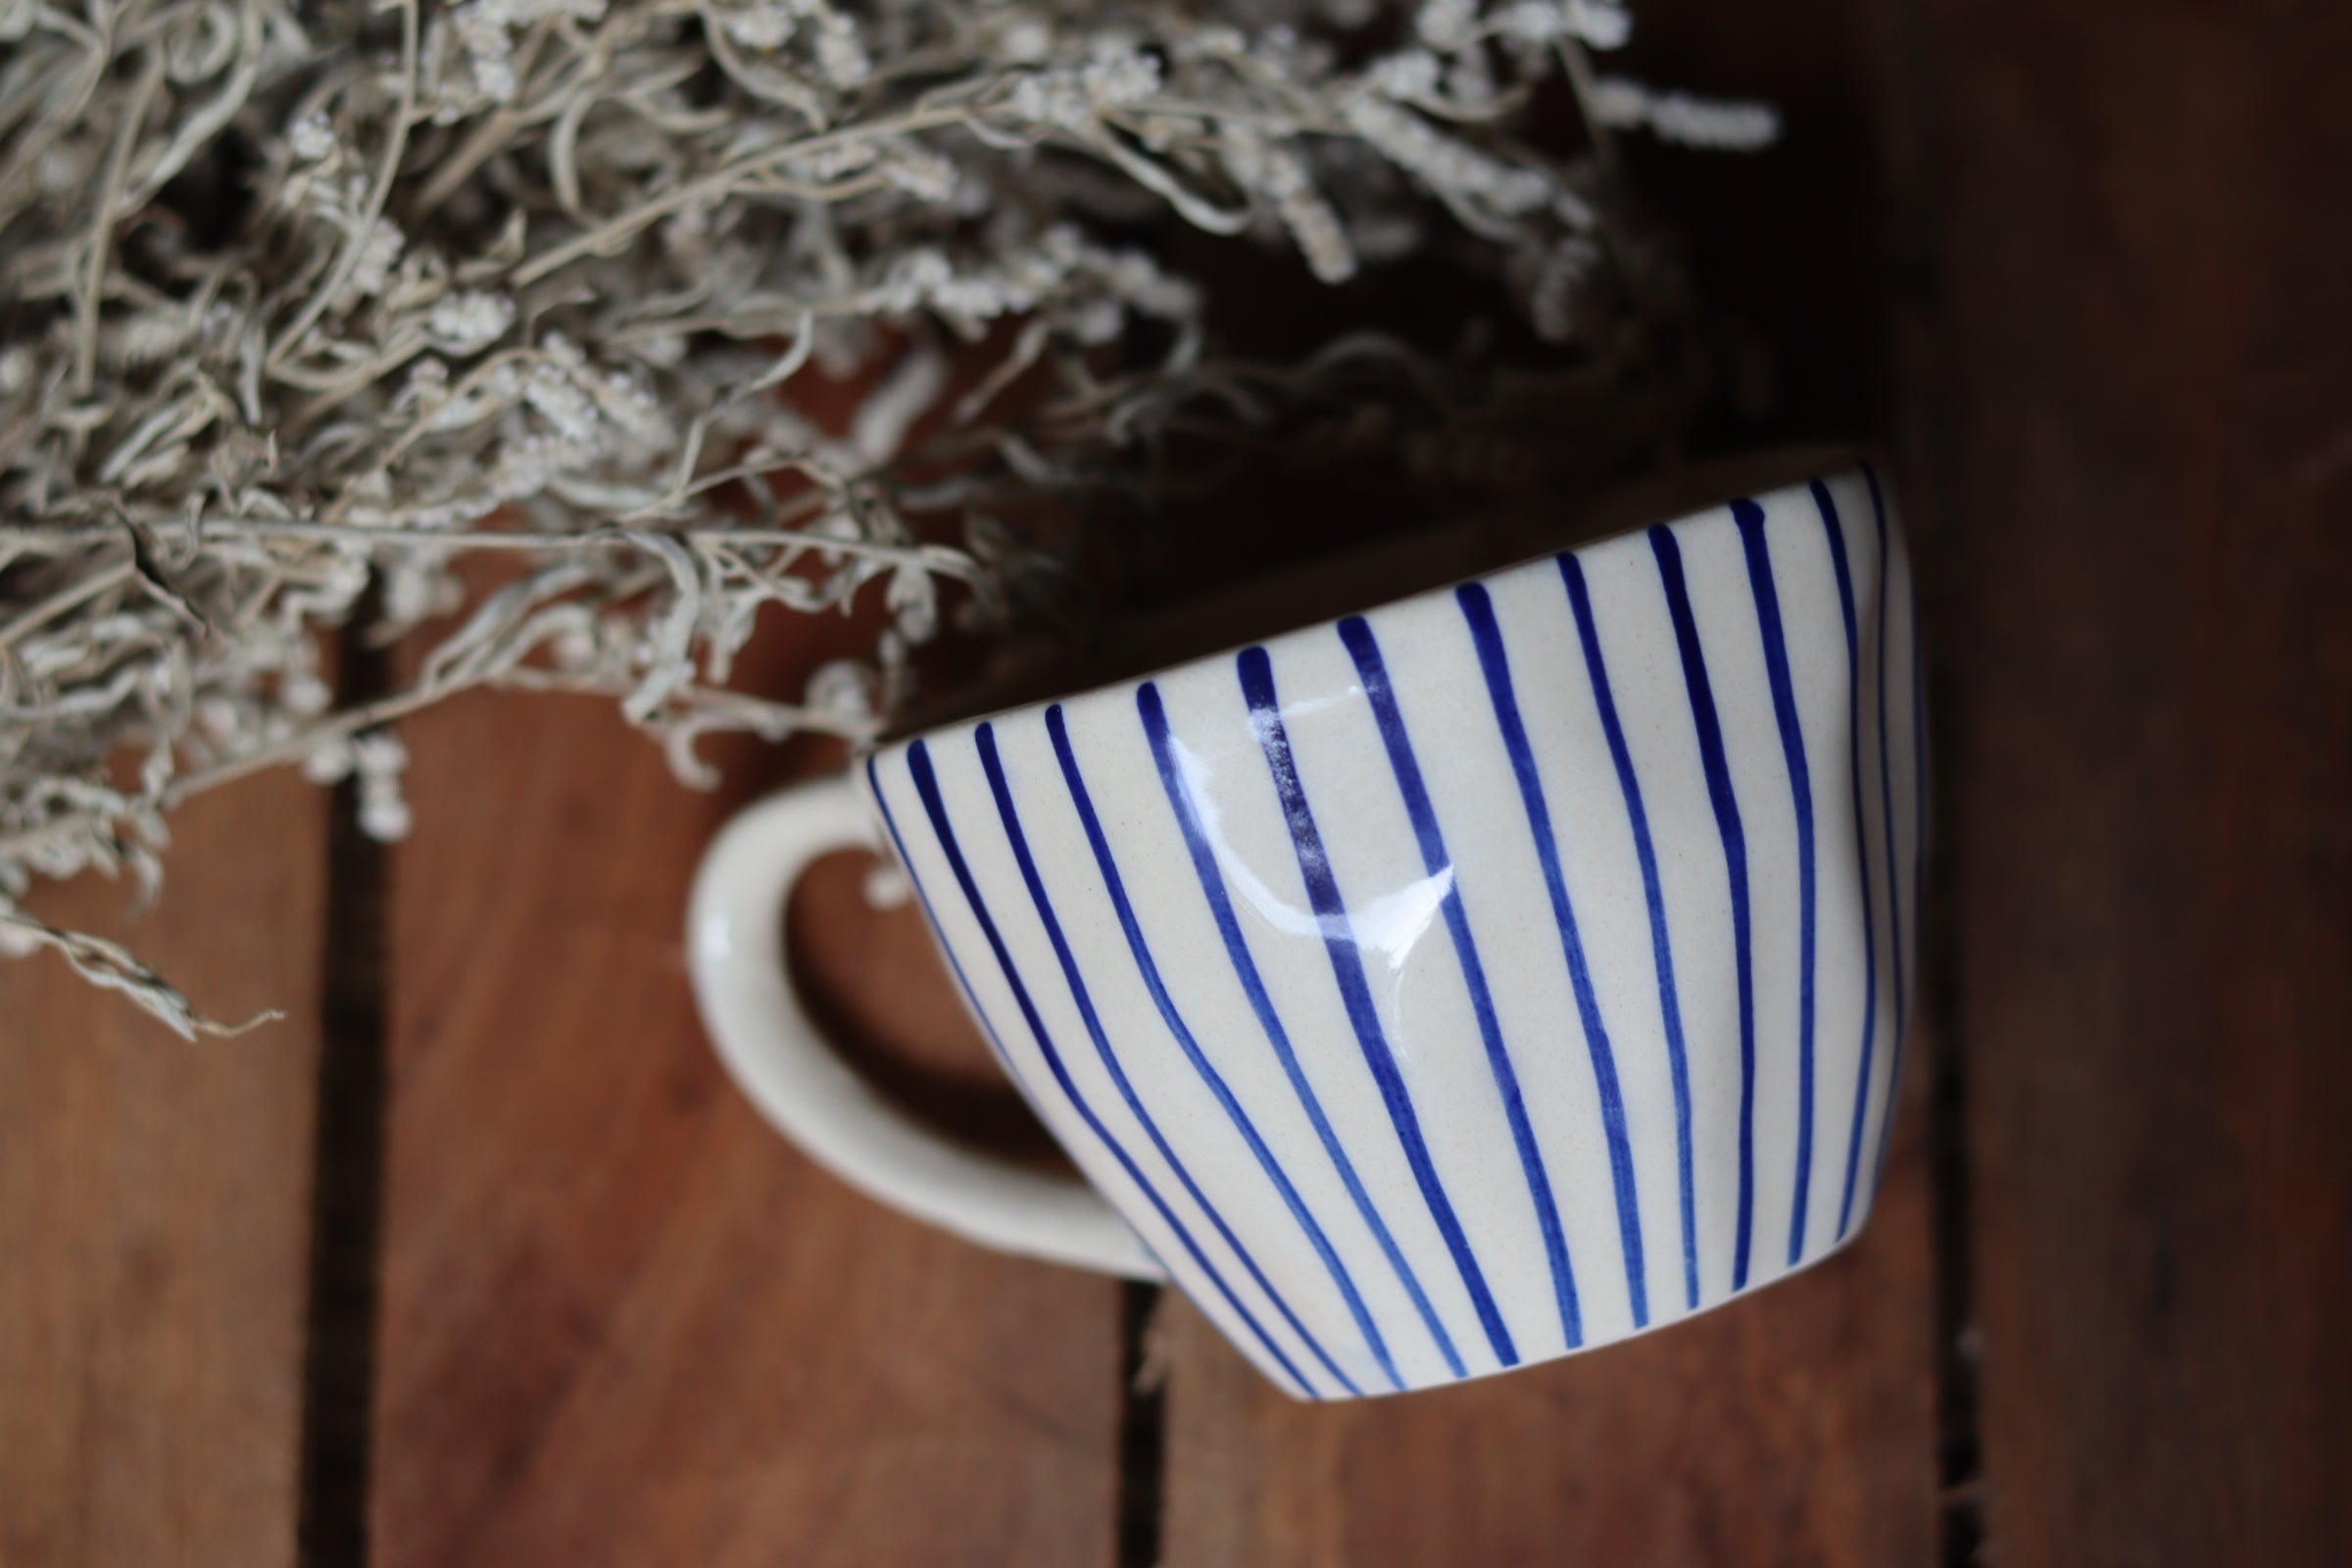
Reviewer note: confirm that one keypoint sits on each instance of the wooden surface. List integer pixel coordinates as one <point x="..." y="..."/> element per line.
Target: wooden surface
<point x="154" y="1211"/>
<point x="2150" y="802"/>
<point x="622" y="1322"/>
<point x="2089" y="277"/>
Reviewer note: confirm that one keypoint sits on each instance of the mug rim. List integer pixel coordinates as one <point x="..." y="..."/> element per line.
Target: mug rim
<point x="1808" y="465"/>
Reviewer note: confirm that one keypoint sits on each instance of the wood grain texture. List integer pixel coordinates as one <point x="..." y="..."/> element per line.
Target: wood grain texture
<point x="623" y="1321"/>
<point x="2150" y="461"/>
<point x="154" y="1211"/>
<point x="1790" y="1427"/>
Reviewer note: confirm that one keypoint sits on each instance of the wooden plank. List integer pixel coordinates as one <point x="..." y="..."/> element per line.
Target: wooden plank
<point x="154" y="1210"/>
<point x="623" y="1321"/>
<point x="2151" y="485"/>
<point x="1790" y="1428"/>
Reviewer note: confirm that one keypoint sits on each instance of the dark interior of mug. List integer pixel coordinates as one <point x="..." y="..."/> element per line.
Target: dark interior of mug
<point x="1119" y="648"/>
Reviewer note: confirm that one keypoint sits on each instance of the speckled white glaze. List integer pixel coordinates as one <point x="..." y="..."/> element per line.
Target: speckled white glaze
<point x="1497" y="973"/>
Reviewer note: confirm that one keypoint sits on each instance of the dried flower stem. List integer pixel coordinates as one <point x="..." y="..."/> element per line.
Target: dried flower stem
<point x="309" y="305"/>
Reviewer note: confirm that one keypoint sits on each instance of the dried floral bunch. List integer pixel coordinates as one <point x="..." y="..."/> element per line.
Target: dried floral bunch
<point x="300" y="307"/>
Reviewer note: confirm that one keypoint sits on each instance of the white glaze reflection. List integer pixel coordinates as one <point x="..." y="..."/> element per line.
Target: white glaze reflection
<point x="1389" y="924"/>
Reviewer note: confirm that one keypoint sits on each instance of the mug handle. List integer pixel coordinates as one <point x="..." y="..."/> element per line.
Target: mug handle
<point x="783" y="1062"/>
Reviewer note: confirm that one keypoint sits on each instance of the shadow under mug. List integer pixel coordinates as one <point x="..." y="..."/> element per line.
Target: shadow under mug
<point x="1499" y="972"/>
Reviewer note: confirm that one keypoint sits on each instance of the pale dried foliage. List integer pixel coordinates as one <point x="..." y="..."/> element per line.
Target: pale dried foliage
<point x="302" y="307"/>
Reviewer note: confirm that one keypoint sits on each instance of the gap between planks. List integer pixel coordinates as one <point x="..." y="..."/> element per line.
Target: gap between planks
<point x="347" y="1178"/>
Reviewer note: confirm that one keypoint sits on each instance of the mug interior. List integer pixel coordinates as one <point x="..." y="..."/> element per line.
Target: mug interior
<point x="1034" y="669"/>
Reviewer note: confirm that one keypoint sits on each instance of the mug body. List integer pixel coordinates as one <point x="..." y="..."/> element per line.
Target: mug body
<point x="1494" y="974"/>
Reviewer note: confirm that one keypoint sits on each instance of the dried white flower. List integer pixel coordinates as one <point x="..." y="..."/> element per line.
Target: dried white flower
<point x="1722" y="124"/>
<point x="329" y="761"/>
<point x="305" y="317"/>
<point x="1026" y="40"/>
<point x="1602" y="26"/>
<point x="1449" y="168"/>
<point x="377" y="760"/>
<point x="470" y="320"/>
<point x="376" y="255"/>
<point x="838" y="51"/>
<point x="1072" y="98"/>
<point x="1280" y="175"/>
<point x="311" y="138"/>
<point x="913" y="386"/>
<point x="768" y="25"/>
<point x="1448" y="25"/>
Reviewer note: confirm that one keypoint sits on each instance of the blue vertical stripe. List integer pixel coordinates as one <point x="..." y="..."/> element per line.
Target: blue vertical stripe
<point x="1895" y="890"/>
<point x="992" y="765"/>
<point x="1903" y="1009"/>
<point x="1486" y="637"/>
<point x="1869" y="929"/>
<point x="1356" y="635"/>
<point x="1750" y="519"/>
<point x="1734" y="860"/>
<point x="1661" y="944"/>
<point x="1059" y="730"/>
<point x="889" y="823"/>
<point x="1155" y="720"/>
<point x="1256" y="672"/>
<point x="926" y="785"/>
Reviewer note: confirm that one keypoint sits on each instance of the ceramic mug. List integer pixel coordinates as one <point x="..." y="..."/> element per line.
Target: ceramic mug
<point x="1492" y="974"/>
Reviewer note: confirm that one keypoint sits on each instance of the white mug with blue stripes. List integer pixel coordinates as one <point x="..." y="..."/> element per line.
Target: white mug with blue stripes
<point x="1492" y="974"/>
